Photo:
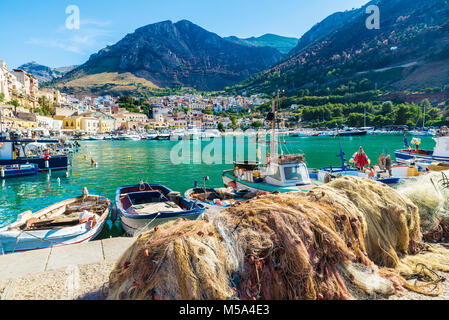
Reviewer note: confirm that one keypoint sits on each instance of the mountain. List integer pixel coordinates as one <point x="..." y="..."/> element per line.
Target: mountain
<point x="167" y="54"/>
<point x="44" y="73"/>
<point x="409" y="51"/>
<point x="282" y="44"/>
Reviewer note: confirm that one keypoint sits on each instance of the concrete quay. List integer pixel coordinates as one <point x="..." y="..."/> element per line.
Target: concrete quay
<point x="77" y="271"/>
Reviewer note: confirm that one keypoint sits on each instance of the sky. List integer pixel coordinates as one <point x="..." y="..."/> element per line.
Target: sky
<point x="36" y="30"/>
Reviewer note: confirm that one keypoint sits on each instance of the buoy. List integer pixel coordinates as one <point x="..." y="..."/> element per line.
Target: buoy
<point x="47" y="164"/>
<point x="2" y="172"/>
<point x="59" y="181"/>
<point x="85" y="157"/>
<point x="129" y="157"/>
<point x="67" y="174"/>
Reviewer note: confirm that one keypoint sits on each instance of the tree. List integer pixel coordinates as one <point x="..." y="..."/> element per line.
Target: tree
<point x="256" y="124"/>
<point x="2" y="97"/>
<point x="14" y="102"/>
<point x="426" y="103"/>
<point x="221" y="127"/>
<point x="47" y="108"/>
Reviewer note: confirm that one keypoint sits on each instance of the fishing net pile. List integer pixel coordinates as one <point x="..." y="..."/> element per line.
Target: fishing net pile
<point x="430" y="193"/>
<point x="180" y="260"/>
<point x="348" y="237"/>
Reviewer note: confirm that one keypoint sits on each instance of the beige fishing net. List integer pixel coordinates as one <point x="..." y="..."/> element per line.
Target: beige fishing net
<point x="347" y="236"/>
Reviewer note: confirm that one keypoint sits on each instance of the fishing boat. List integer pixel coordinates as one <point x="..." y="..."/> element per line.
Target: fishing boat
<point x="144" y="206"/>
<point x="440" y="153"/>
<point x="281" y="173"/>
<point x="18" y="170"/>
<point x="216" y="197"/>
<point x="71" y="221"/>
<point x="14" y="152"/>
<point x="330" y="173"/>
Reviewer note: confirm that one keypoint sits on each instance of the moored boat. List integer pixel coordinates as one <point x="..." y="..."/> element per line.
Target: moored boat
<point x="280" y="173"/>
<point x="144" y="206"/>
<point x="440" y="153"/>
<point x="71" y="221"/>
<point x="18" y="170"/>
<point x="14" y="152"/>
<point x="217" y="197"/>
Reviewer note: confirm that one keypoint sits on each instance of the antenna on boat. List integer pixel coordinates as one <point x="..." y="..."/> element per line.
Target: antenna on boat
<point x="206" y="178"/>
<point x="342" y="154"/>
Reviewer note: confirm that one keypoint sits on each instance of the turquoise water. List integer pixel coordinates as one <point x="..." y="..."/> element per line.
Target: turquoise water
<point x="126" y="162"/>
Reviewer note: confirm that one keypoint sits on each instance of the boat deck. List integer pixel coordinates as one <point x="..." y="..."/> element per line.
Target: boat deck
<point x="151" y="208"/>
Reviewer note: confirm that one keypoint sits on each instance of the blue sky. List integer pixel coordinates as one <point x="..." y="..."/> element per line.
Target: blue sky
<point x="34" y="30"/>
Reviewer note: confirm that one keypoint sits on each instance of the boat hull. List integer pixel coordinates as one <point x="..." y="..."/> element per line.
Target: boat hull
<point x="229" y="180"/>
<point x="134" y="223"/>
<point x="15" y="173"/>
<point x="402" y="156"/>
<point x="17" y="241"/>
<point x="54" y="163"/>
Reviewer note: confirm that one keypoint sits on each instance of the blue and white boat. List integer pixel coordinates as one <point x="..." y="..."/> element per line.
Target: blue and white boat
<point x="217" y="197"/>
<point x="439" y="153"/>
<point x="14" y="152"/>
<point x="18" y="170"/>
<point x="71" y="221"/>
<point x="143" y="206"/>
<point x="329" y="173"/>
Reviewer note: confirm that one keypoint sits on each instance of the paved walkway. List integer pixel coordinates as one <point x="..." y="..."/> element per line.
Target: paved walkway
<point x="68" y="272"/>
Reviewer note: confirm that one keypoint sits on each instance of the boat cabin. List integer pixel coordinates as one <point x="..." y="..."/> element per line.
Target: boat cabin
<point x="288" y="175"/>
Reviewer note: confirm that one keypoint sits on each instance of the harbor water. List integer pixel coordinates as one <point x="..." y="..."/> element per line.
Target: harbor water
<point x="126" y="162"/>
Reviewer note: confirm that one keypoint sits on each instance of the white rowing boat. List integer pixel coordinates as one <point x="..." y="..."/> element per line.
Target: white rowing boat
<point x="71" y="221"/>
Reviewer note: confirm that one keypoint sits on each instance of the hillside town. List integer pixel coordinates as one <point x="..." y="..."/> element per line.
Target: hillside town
<point x="26" y="107"/>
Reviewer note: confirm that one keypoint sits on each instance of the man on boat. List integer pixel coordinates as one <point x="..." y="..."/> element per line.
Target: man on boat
<point x="360" y="159"/>
<point x="46" y="154"/>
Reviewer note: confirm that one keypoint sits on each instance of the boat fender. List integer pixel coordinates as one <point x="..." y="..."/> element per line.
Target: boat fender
<point x="114" y="215"/>
<point x="93" y="222"/>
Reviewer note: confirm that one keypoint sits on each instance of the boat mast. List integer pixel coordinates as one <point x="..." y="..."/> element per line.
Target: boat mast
<point x="364" y="118"/>
<point x="274" y="142"/>
<point x="424" y="117"/>
<point x="1" y="123"/>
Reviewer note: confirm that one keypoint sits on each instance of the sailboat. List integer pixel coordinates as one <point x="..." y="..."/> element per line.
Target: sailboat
<point x="282" y="173"/>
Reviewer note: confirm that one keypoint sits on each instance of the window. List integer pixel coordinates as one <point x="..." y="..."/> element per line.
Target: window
<point x="295" y="173"/>
<point x="276" y="173"/>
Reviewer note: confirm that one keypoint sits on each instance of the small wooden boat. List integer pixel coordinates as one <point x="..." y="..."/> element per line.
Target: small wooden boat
<point x="71" y="221"/>
<point x="218" y="197"/>
<point x="18" y="170"/>
<point x="145" y="206"/>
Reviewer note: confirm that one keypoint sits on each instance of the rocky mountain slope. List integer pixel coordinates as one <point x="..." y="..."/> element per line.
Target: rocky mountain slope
<point x="282" y="44"/>
<point x="44" y="73"/>
<point x="409" y="51"/>
<point x="179" y="54"/>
